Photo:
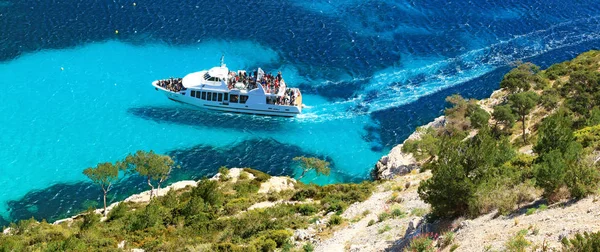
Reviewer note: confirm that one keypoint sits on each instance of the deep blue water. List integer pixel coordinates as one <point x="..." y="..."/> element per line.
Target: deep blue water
<point x="75" y="92"/>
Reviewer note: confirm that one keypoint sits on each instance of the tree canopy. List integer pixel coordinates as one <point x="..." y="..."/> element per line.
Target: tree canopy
<point x="522" y="103"/>
<point x="312" y="163"/>
<point x="153" y="166"/>
<point x="105" y="175"/>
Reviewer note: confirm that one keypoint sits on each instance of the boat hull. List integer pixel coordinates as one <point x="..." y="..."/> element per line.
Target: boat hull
<point x="254" y="109"/>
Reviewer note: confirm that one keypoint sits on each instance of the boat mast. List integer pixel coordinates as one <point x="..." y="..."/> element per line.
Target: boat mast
<point x="222" y="60"/>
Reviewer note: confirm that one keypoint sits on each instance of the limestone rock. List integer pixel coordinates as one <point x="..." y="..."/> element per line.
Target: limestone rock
<point x="398" y="163"/>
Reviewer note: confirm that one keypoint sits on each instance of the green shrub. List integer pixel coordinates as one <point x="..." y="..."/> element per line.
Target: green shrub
<point x="582" y="180"/>
<point x="246" y="187"/>
<point x="265" y="245"/>
<point x="586" y="242"/>
<point x="279" y="236"/>
<point x="336" y="206"/>
<point x="589" y="137"/>
<point x="258" y="175"/>
<point x="530" y="211"/>
<point x="335" y="220"/>
<point x="518" y="243"/>
<point x="224" y="174"/>
<point x="557" y="70"/>
<point x="305" y="193"/>
<point x="306" y="209"/>
<point x="208" y="191"/>
<point x="119" y="211"/>
<point x="226" y="247"/>
<point x="383" y="216"/>
<point x="371" y="222"/>
<point x="398" y="213"/>
<point x="90" y="218"/>
<point x="422" y="243"/>
<point x="153" y="215"/>
<point x="549" y="99"/>
<point x="236" y="205"/>
<point x="448" y="238"/>
<point x="308" y="247"/>
<point x="384" y="229"/>
<point x="243" y="175"/>
<point x="418" y="212"/>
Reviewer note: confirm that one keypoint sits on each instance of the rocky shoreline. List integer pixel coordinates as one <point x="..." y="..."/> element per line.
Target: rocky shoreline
<point x="398" y="163"/>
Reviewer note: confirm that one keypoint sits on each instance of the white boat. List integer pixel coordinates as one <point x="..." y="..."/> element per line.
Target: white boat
<point x="238" y="92"/>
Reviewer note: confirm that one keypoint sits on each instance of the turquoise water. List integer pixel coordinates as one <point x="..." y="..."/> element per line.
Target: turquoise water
<point x="75" y="93"/>
<point x="65" y="110"/>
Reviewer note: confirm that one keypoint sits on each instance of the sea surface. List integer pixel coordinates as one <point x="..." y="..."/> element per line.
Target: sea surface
<point x="75" y="82"/>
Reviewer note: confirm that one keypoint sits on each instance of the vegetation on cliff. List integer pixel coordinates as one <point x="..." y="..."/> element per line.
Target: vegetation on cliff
<point x="481" y="162"/>
<point x="213" y="216"/>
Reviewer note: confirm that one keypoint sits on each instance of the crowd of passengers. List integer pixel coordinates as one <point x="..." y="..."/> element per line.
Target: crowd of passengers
<point x="271" y="83"/>
<point x="171" y="84"/>
<point x="289" y="98"/>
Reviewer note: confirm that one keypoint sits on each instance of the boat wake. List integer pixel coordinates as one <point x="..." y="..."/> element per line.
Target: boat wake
<point x="393" y="87"/>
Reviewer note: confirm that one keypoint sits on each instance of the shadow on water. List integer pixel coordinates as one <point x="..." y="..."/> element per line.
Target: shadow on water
<point x="32" y="25"/>
<point x="196" y="117"/>
<point x="63" y="200"/>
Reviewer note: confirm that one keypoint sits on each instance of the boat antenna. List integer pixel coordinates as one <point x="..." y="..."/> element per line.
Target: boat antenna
<point x="222" y="60"/>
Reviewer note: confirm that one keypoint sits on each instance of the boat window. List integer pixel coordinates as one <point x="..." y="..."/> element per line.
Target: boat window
<point x="198" y="94"/>
<point x="226" y="97"/>
<point x="220" y="97"/>
<point x="214" y="96"/>
<point x="206" y="76"/>
<point x="243" y="98"/>
<point x="234" y="98"/>
<point x="193" y="93"/>
<point x="203" y="95"/>
<point x="208" y="95"/>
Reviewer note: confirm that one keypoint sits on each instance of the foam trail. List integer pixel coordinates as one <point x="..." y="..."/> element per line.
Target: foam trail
<point x="391" y="88"/>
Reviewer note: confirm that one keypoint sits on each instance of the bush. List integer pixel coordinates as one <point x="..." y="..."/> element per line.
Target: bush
<point x="224" y="174"/>
<point x="236" y="205"/>
<point x="582" y="180"/>
<point x="557" y="70"/>
<point x="550" y="171"/>
<point x="518" y="243"/>
<point x="119" y="211"/>
<point x="279" y="236"/>
<point x="589" y="137"/>
<point x="258" y="175"/>
<point x="335" y="220"/>
<point x="305" y="193"/>
<point x="383" y="216"/>
<point x="448" y="238"/>
<point x="398" y="213"/>
<point x="371" y="222"/>
<point x="306" y="209"/>
<point x="308" y="247"/>
<point x="586" y="242"/>
<point x="384" y="229"/>
<point x="243" y="175"/>
<point x="422" y="243"/>
<point x="226" y="247"/>
<point x="265" y="245"/>
<point x="245" y="187"/>
<point x="90" y="218"/>
<point x="208" y="191"/>
<point x="479" y="118"/>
